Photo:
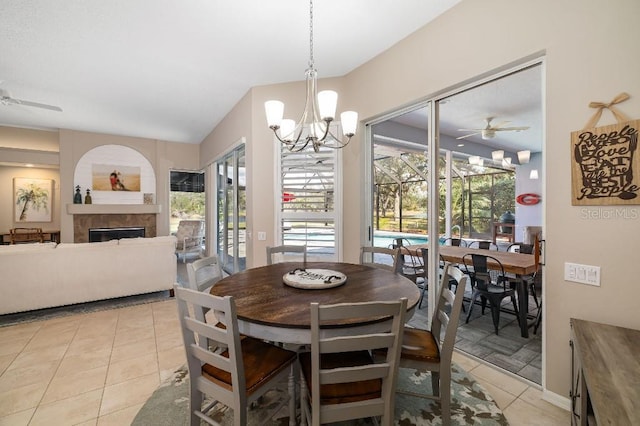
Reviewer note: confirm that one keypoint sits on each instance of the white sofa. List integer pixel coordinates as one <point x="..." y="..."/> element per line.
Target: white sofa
<point x="36" y="276"/>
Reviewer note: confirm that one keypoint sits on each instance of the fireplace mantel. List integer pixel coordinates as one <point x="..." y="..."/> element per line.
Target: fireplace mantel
<point x="113" y="208"/>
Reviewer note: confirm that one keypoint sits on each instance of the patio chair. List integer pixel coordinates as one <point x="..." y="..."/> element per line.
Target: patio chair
<point x="340" y="379"/>
<point x="278" y="253"/>
<point x="488" y="288"/>
<point x="483" y="245"/>
<point x="457" y="242"/>
<point x="236" y="376"/>
<point x="190" y="236"/>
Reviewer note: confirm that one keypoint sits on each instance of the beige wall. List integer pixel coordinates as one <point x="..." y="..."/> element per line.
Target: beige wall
<point x="590" y="53"/>
<point x="59" y="152"/>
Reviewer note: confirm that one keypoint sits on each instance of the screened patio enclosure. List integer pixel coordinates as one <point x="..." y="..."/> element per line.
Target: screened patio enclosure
<point x="479" y="194"/>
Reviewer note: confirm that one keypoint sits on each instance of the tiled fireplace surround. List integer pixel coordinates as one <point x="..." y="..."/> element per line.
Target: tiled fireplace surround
<point x="83" y="222"/>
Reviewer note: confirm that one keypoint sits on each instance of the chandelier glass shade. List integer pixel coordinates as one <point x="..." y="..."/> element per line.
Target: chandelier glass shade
<point x="314" y="125"/>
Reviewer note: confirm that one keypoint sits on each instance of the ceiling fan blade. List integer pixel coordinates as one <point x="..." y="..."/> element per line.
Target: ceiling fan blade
<point x="470" y="130"/>
<point x="511" y="128"/>
<point x="470" y="134"/>
<point x="36" y="104"/>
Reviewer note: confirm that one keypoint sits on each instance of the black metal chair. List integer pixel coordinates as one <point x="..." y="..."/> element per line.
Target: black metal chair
<point x="457" y="242"/>
<point x="484" y="245"/>
<point x="494" y="290"/>
<point x="533" y="280"/>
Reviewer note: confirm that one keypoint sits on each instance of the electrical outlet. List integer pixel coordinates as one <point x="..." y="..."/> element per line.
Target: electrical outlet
<point x="262" y="236"/>
<point x="583" y="274"/>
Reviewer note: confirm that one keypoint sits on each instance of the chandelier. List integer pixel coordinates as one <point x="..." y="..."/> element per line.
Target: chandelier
<point x="313" y="127"/>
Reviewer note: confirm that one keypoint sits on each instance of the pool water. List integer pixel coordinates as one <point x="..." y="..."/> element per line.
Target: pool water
<point x="387" y="239"/>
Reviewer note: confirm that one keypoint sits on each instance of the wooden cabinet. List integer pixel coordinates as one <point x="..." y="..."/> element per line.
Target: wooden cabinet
<point x="605" y="374"/>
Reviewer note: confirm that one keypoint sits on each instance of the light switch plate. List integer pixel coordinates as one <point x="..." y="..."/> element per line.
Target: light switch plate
<point x="583" y="274"/>
<point x="262" y="236"/>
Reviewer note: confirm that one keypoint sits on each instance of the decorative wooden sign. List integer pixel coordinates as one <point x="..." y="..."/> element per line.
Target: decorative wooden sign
<point x="605" y="167"/>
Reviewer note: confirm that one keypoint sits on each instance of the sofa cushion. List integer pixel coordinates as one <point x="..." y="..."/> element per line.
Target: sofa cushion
<point x="84" y="246"/>
<point x="19" y="248"/>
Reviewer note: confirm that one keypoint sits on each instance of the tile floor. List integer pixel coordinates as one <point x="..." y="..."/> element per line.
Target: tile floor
<point x="99" y="368"/>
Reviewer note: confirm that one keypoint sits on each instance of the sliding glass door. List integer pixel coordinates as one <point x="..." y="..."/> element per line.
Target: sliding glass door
<point x="231" y="211"/>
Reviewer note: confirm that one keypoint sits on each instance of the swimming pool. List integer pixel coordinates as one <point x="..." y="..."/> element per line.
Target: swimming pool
<point x="386" y="239"/>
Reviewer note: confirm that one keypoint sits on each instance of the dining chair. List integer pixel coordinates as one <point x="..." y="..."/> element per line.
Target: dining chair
<point x="432" y="350"/>
<point x="204" y="273"/>
<point x="411" y="263"/>
<point x="487" y="287"/>
<point x="26" y="235"/>
<point x="483" y="245"/>
<point x="381" y="257"/>
<point x="533" y="281"/>
<point x="340" y="379"/>
<point x="457" y="242"/>
<point x="236" y="376"/>
<point x="278" y="253"/>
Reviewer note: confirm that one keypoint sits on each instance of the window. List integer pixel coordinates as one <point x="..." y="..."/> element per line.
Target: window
<point x="309" y="199"/>
<point x="187" y="197"/>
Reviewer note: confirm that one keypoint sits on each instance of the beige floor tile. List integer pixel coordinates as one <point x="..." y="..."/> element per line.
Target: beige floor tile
<point x="27" y="358"/>
<point x="6" y="360"/>
<point x="126" y="394"/>
<point x="21" y="418"/>
<point x="125" y="337"/>
<point x="521" y="413"/>
<point x="168" y="340"/>
<point x="133" y="350"/>
<point x="132" y="368"/>
<point x="67" y="386"/>
<point x="13" y="346"/>
<point x="464" y="361"/>
<point x="69" y="411"/>
<point x="502" y="398"/>
<point x="121" y="417"/>
<point x="84" y="361"/>
<point x="20" y="398"/>
<point x="534" y="397"/>
<point x="36" y="373"/>
<point x="43" y="340"/>
<point x="95" y="343"/>
<point x="172" y="358"/>
<point x="505" y="382"/>
<point x="20" y="331"/>
<point x="92" y="422"/>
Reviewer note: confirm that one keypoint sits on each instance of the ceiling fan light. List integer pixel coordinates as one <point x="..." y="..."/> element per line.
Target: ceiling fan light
<point x="497" y="155"/>
<point x="474" y="159"/>
<point x="533" y="174"/>
<point x="524" y="156"/>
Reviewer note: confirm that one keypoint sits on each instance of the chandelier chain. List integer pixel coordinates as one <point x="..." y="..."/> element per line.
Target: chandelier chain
<point x="311" y="34"/>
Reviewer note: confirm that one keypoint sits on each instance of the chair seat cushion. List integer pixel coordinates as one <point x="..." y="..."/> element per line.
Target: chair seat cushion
<point x="420" y="345"/>
<point x="342" y="392"/>
<point x="262" y="361"/>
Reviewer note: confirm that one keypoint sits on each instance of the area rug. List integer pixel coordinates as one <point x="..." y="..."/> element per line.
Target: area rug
<point x="470" y="405"/>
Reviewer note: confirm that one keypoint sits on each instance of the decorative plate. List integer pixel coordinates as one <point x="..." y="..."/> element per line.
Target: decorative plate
<point x="314" y="278"/>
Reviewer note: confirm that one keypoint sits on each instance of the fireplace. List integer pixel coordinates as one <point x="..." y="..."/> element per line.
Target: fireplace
<point x="106" y="234"/>
<point x="82" y="223"/>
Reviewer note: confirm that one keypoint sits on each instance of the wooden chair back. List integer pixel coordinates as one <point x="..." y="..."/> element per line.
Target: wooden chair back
<point x="381" y="257"/>
<point x="278" y="254"/>
<point x="223" y="366"/>
<point x="372" y="383"/>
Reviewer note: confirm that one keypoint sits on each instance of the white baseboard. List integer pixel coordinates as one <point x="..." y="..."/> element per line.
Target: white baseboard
<point x="557" y="400"/>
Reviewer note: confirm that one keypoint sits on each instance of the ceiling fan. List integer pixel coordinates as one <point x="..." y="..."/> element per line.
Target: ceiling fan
<point x="7" y="99"/>
<point x="489" y="131"/>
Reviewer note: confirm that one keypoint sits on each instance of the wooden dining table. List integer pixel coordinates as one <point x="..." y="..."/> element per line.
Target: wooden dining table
<point x="269" y="309"/>
<point x="518" y="264"/>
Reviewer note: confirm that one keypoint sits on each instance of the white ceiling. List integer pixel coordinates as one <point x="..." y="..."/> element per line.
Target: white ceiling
<point x="171" y="70"/>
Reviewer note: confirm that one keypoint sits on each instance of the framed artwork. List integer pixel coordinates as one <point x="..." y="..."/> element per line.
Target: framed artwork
<point x="605" y="166"/>
<point x="107" y="177"/>
<point x="32" y="199"/>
